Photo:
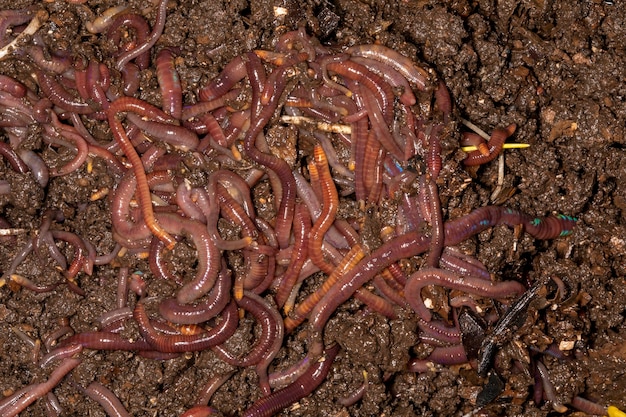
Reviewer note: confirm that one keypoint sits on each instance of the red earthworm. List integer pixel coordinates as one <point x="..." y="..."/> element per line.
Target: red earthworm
<point x="549" y="389"/>
<point x="268" y="344"/>
<point x="199" y="411"/>
<point x="443" y="101"/>
<point x="372" y="148"/>
<point x="12" y="406"/>
<point x="198" y="109"/>
<point x="30" y="285"/>
<point x="105" y="341"/>
<point x="187" y="343"/>
<point x="105" y="19"/>
<point x="169" y="83"/>
<point x="108" y="257"/>
<point x="360" y="131"/>
<point x="284" y="215"/>
<point x="186" y="203"/>
<point x="12" y="86"/>
<point x="232" y="73"/>
<point x="443" y="355"/>
<point x="387" y="290"/>
<point x="82" y="150"/>
<point x="79" y="260"/>
<point x="257" y="78"/>
<point x="376" y="303"/>
<point x="329" y="211"/>
<point x="97" y="83"/>
<point x="205" y="394"/>
<point x="441" y="277"/>
<point x="145" y="46"/>
<point x="59" y="96"/>
<point x="303" y="386"/>
<point x="357" y="395"/>
<point x="208" y="255"/>
<point x="376" y="181"/>
<point x="177" y="136"/>
<point x="374" y="83"/>
<point x="204" y="310"/>
<point x="214" y="129"/>
<point x="157" y="263"/>
<point x="36" y="165"/>
<point x="107" y="399"/>
<point x="390" y="75"/>
<point x="439" y="330"/>
<point x="299" y="254"/>
<point x="433" y="159"/>
<point x="238" y="188"/>
<point x="143" y="191"/>
<point x="12" y="157"/>
<point x="9" y="18"/>
<point x="395" y="60"/>
<point x="53" y="407"/>
<point x="496" y="141"/>
<point x="130" y="79"/>
<point x="550" y="227"/>
<point x="474" y="139"/>
<point x="346" y="265"/>
<point x="41" y="110"/>
<point x="62" y="352"/>
<point x="436" y="225"/>
<point x="48" y="61"/>
<point x="122" y="286"/>
<point x="454" y="260"/>
<point x="403" y="246"/>
<point x="126" y="231"/>
<point x="233" y="211"/>
<point x="588" y="407"/>
<point x="80" y="78"/>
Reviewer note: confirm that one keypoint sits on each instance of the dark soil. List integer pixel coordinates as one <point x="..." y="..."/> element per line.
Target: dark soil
<point x="556" y="68"/>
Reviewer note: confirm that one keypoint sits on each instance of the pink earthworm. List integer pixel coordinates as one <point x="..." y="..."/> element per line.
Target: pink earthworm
<point x="169" y="83"/>
<point x="145" y="45"/>
<point x="107" y="399"/>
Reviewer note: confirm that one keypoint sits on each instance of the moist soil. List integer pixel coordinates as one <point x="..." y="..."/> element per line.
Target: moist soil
<point x="555" y="68"/>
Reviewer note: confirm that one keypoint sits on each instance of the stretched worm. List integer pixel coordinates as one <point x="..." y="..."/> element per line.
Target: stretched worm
<point x="303" y="386"/>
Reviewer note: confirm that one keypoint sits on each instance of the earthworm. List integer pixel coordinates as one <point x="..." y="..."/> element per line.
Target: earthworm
<point x="13" y="158"/>
<point x="53" y="407"/>
<point x="169" y="83"/>
<point x="548" y="388"/>
<point x="232" y="73"/>
<point x="268" y="344"/>
<point x="51" y="339"/>
<point x="496" y="141"/>
<point x="436" y="225"/>
<point x="56" y="93"/>
<point x="199" y="411"/>
<point x="186" y="343"/>
<point x="107" y="399"/>
<point x="357" y="395"/>
<point x="105" y="341"/>
<point x="143" y="191"/>
<point x="474" y="139"/>
<point x="82" y="150"/>
<point x="434" y="276"/>
<point x="205" y="394"/>
<point x="444" y="355"/>
<point x="145" y="45"/>
<point x="346" y="265"/>
<point x="284" y="216"/>
<point x="392" y="76"/>
<point x="588" y="407"/>
<point x="60" y="353"/>
<point x="482" y="218"/>
<point x="126" y="231"/>
<point x="375" y="84"/>
<point x="130" y="79"/>
<point x="204" y="310"/>
<point x="299" y="254"/>
<point x="303" y="386"/>
<point x="395" y="60"/>
<point x="48" y="61"/>
<point x="456" y="261"/>
<point x="203" y="107"/>
<point x="380" y="125"/>
<point x="79" y="260"/>
<point x="105" y="19"/>
<point x="433" y="159"/>
<point x="12" y="86"/>
<point x="330" y="205"/>
<point x="207" y="252"/>
<point x="177" y="136"/>
<point x="12" y="406"/>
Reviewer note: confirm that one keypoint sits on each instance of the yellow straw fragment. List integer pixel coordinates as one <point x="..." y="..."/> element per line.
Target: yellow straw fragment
<point x="613" y="411"/>
<point x="505" y="146"/>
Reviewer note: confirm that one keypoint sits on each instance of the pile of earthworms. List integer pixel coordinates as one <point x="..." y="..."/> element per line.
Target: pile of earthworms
<point x="318" y="129"/>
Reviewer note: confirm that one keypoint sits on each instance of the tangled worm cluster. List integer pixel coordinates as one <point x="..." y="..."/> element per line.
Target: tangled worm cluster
<point x="306" y="123"/>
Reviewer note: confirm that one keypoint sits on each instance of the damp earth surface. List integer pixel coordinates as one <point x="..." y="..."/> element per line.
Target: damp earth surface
<point x="555" y="68"/>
